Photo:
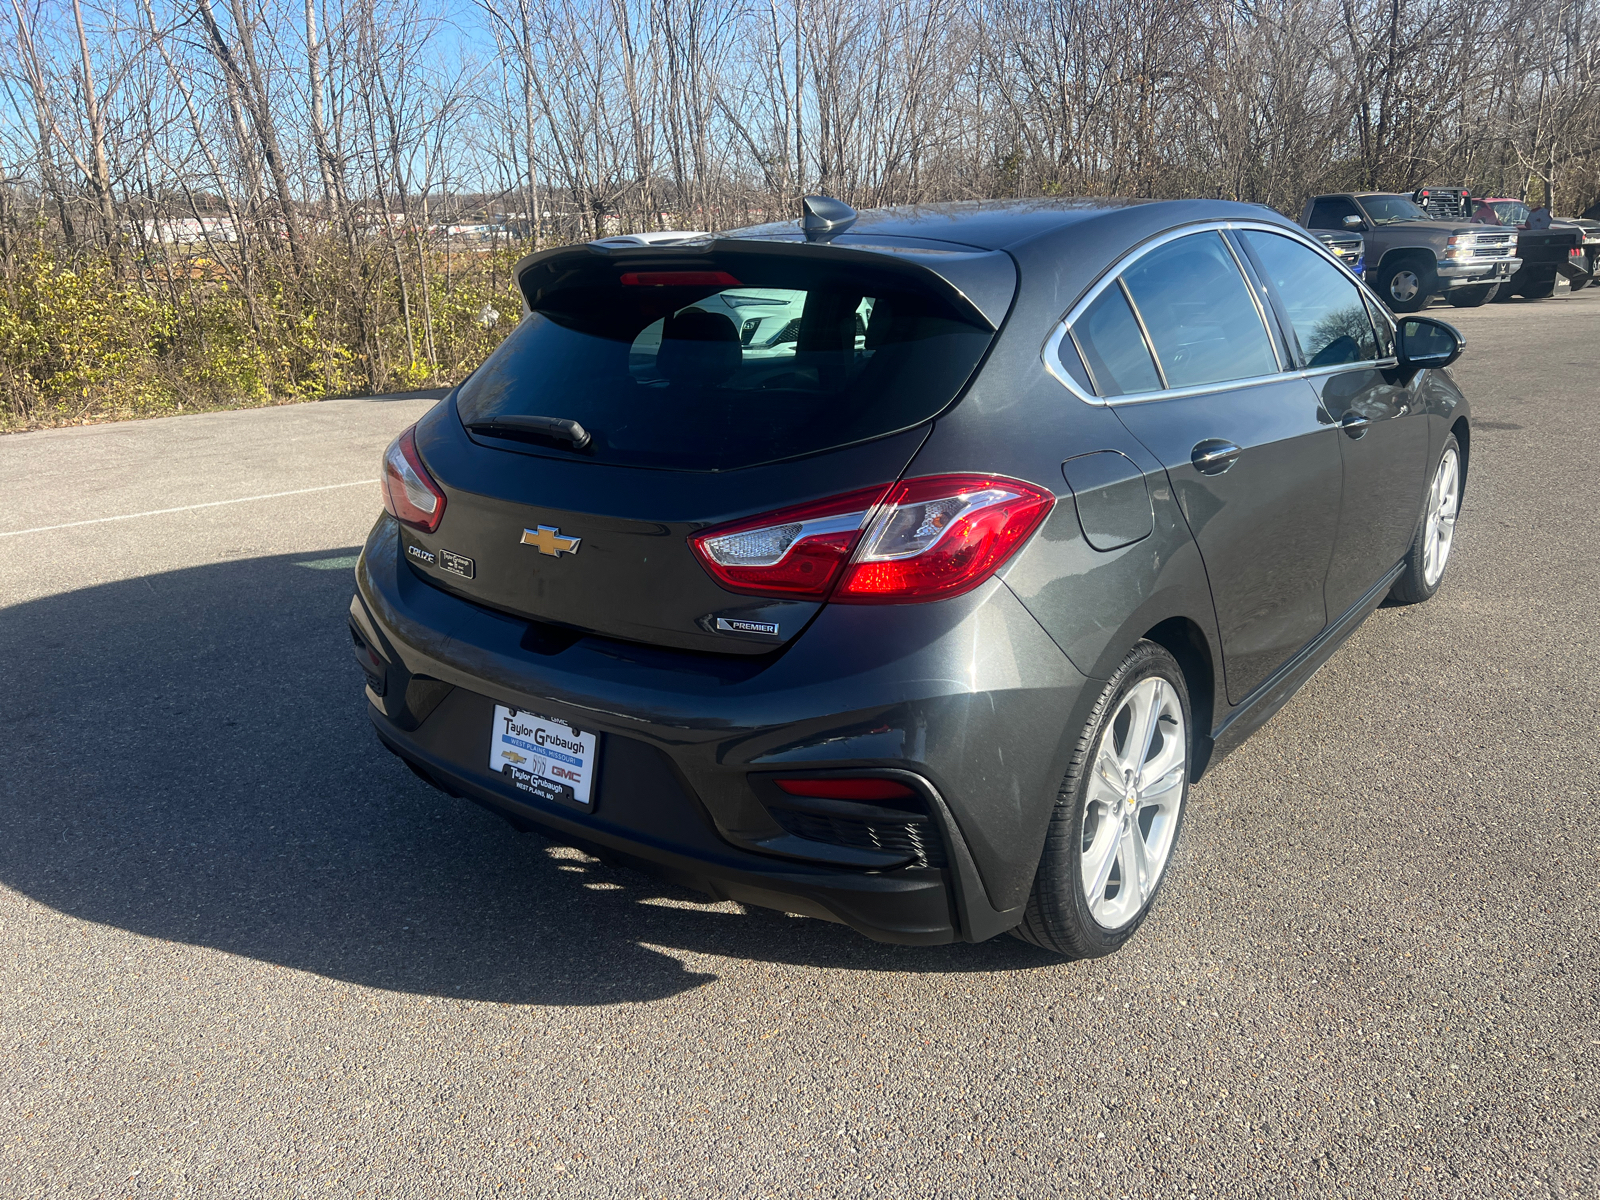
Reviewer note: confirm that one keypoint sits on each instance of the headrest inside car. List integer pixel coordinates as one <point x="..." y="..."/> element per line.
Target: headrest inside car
<point x="698" y="348"/>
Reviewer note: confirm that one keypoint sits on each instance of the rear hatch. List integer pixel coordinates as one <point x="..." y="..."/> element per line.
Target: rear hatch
<point x="650" y="392"/>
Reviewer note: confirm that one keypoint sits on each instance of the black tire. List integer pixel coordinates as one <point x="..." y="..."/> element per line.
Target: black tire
<point x="1413" y="587"/>
<point x="1406" y="284"/>
<point x="1472" y="297"/>
<point x="1058" y="916"/>
<point x="1504" y="294"/>
<point x="1540" y="289"/>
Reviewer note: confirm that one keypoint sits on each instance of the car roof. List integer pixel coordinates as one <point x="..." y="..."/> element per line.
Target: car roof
<point x="1005" y="224"/>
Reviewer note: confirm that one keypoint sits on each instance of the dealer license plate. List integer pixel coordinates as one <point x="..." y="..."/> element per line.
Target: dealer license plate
<point x="547" y="758"/>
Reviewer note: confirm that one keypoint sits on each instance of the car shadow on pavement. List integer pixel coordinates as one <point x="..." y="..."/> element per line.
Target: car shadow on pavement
<point x="188" y="757"/>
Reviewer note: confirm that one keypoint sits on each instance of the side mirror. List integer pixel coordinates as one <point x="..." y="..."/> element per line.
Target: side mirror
<point x="1426" y="344"/>
<point x="1354" y="222"/>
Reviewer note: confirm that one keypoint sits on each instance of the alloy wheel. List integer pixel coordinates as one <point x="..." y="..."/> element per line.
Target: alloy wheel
<point x="1133" y="801"/>
<point x="1439" y="530"/>
<point x="1404" y="286"/>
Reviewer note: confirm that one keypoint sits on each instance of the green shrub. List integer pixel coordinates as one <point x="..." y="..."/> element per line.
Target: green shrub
<point x="97" y="340"/>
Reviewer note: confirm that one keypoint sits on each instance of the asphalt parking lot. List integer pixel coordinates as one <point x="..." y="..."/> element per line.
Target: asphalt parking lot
<point x="244" y="953"/>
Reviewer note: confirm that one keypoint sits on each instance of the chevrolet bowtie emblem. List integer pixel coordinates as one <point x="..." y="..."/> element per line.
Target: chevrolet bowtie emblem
<point x="547" y="539"/>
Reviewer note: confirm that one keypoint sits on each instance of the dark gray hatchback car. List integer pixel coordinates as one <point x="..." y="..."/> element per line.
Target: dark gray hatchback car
<point x="904" y="571"/>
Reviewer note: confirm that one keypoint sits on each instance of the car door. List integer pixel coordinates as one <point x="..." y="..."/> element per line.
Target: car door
<point x="1187" y="353"/>
<point x="1383" y="438"/>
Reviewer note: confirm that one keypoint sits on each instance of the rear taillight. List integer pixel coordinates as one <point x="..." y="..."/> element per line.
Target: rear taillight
<point x="409" y="493"/>
<point x="941" y="536"/>
<point x="796" y="553"/>
<point x="927" y="539"/>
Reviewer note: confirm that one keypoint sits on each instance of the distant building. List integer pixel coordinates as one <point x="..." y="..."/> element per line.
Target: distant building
<point x="186" y="231"/>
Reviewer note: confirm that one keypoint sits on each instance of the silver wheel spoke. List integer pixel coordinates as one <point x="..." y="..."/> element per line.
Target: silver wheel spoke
<point x="1107" y="768"/>
<point x="1095" y="888"/>
<point x="1157" y="790"/>
<point x="1135" y="866"/>
<point x="1170" y="754"/>
<point x="1146" y="724"/>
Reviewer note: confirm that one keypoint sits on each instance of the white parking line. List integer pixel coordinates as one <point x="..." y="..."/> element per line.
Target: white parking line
<point x="156" y="512"/>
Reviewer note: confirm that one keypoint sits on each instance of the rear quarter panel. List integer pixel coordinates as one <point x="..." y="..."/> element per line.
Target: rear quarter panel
<point x="1017" y="420"/>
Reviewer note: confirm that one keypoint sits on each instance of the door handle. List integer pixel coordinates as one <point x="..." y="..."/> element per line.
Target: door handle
<point x="1214" y="456"/>
<point x="1354" y="424"/>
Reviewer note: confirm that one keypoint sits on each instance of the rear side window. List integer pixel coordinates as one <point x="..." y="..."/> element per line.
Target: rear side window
<point x="1324" y="305"/>
<point x="1197" y="309"/>
<point x="727" y="365"/>
<point x="1113" y="347"/>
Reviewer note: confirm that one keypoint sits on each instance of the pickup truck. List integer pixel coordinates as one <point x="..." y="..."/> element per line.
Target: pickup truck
<point x="1410" y="257"/>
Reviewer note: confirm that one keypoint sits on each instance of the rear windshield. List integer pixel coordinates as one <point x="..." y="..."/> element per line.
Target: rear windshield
<point x="723" y="365"/>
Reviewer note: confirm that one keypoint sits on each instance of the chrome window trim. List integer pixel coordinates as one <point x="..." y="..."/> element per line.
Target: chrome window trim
<point x="1050" y="352"/>
<point x="1144" y="332"/>
<point x="1365" y="364"/>
<point x="1270" y="326"/>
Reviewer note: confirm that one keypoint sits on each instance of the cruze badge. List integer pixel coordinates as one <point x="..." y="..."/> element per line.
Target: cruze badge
<point x="547" y="539"/>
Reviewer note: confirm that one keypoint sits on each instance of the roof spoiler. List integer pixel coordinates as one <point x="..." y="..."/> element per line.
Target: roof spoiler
<point x="665" y="237"/>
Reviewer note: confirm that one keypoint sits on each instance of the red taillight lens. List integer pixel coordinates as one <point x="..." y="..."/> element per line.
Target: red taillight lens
<point x="940" y="536"/>
<point x="927" y="539"/>
<point x="409" y="492"/>
<point x="796" y="553"/>
<point x="846" y="789"/>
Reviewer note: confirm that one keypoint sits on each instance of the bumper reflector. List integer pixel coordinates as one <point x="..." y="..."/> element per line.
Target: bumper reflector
<point x="372" y="666"/>
<point x="847" y="789"/>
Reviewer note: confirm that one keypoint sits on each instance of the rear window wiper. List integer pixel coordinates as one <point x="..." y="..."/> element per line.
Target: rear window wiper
<point x="561" y="429"/>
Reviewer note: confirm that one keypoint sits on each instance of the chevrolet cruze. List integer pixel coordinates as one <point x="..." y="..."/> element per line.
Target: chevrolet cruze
<point x="904" y="570"/>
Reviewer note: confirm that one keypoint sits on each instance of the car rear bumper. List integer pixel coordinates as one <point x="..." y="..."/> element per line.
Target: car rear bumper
<point x="966" y="698"/>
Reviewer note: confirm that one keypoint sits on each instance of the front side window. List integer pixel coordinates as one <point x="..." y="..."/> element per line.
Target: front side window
<point x="1324" y="305"/>
<point x="1196" y="306"/>
<point x="1381" y="326"/>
